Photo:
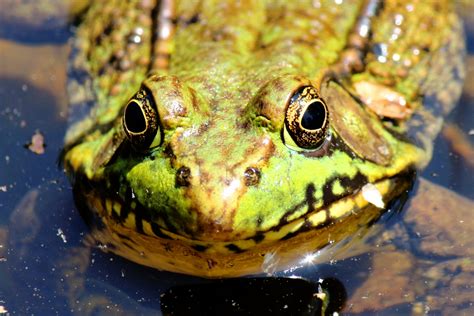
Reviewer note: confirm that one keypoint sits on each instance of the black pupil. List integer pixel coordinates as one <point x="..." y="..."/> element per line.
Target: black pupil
<point x="134" y="118"/>
<point x="314" y="116"/>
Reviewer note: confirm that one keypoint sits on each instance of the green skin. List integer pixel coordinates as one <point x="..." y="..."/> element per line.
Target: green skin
<point x="222" y="104"/>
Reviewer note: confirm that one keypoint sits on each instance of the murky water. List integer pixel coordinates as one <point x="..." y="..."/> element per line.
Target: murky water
<point x="45" y="268"/>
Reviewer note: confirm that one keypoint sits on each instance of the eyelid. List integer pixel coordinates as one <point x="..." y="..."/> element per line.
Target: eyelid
<point x="272" y="99"/>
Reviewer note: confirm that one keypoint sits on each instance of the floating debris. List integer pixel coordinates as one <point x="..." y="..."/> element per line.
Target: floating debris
<point x="37" y="144"/>
<point x="372" y="195"/>
<point x="383" y="101"/>
<point x="61" y="234"/>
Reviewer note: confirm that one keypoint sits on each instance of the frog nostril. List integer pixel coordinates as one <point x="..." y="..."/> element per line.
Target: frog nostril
<point x="183" y="176"/>
<point x="252" y="176"/>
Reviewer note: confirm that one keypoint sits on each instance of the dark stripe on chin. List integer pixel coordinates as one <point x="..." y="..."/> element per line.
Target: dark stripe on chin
<point x="234" y="248"/>
<point x="139" y="223"/>
<point x="157" y="231"/>
<point x="350" y="185"/>
<point x="258" y="238"/>
<point x="200" y="248"/>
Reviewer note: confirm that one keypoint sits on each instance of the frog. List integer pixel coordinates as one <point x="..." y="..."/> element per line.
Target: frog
<point x="227" y="139"/>
<point x="75" y="262"/>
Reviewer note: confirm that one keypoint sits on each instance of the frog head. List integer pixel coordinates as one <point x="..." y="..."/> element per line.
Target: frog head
<point x="212" y="165"/>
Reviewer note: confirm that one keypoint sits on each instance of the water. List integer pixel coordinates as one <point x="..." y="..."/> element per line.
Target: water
<point x="45" y="268"/>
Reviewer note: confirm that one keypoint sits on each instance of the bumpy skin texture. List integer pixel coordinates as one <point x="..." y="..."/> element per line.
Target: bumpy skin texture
<point x="222" y="101"/>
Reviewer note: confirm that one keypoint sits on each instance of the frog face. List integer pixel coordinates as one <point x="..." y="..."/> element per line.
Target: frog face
<point x="211" y="165"/>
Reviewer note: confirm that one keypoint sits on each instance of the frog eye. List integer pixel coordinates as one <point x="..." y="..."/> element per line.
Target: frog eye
<point x="141" y="122"/>
<point x="306" y="125"/>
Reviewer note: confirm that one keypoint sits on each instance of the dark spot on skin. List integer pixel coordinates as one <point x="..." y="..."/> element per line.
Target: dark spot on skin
<point x="139" y="224"/>
<point x="259" y="237"/>
<point x="193" y="20"/>
<point x="127" y="205"/>
<point x="169" y="152"/>
<point x="108" y="29"/>
<point x="252" y="176"/>
<point x="183" y="175"/>
<point x="200" y="248"/>
<point x="310" y="200"/>
<point x="234" y="248"/>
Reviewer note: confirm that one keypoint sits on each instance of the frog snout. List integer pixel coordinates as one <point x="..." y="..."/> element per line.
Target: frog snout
<point x="251" y="176"/>
<point x="213" y="197"/>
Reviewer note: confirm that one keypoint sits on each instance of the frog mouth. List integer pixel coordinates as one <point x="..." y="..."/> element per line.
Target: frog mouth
<point x="145" y="243"/>
<point x="101" y="212"/>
